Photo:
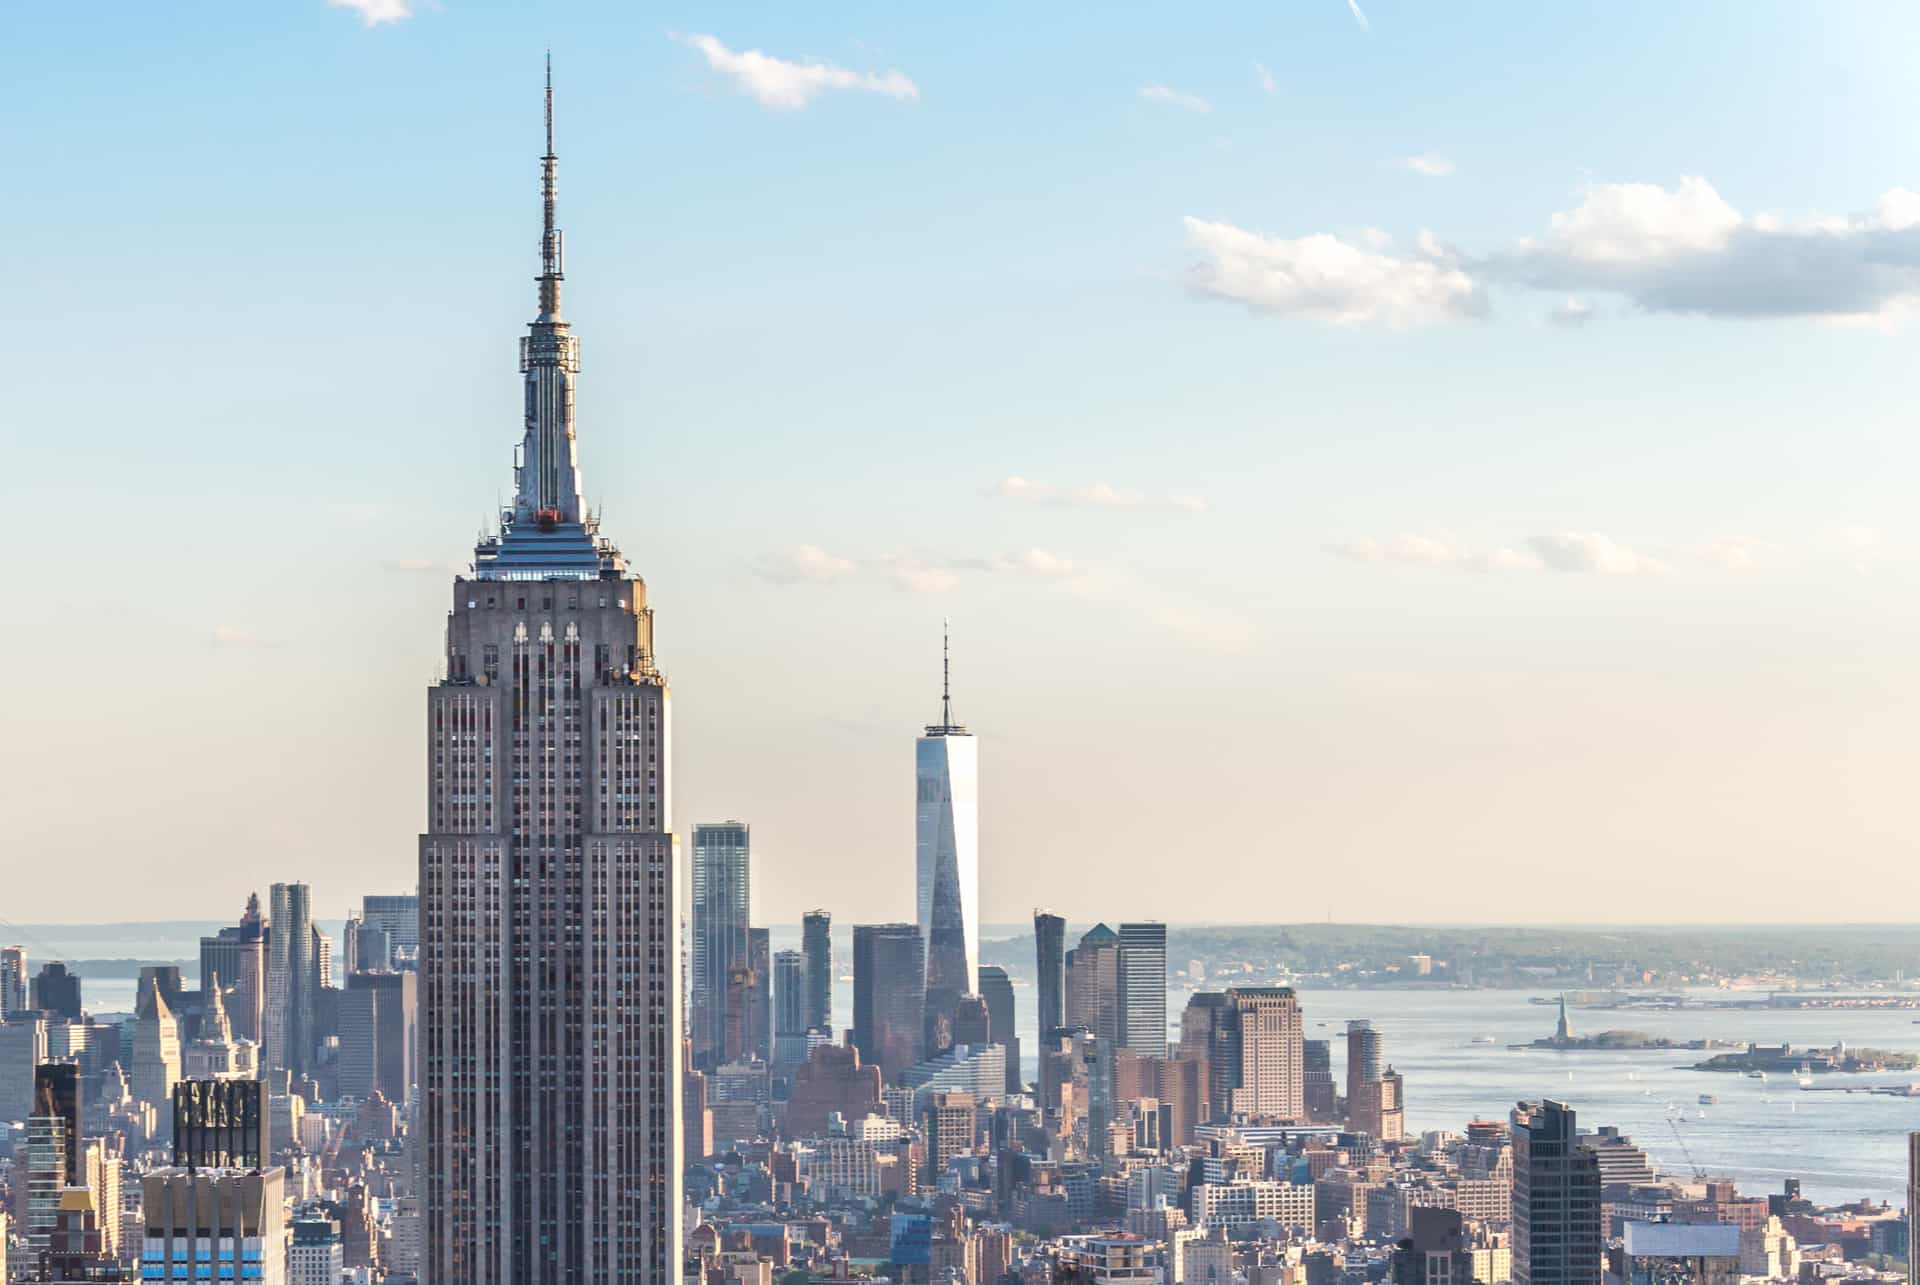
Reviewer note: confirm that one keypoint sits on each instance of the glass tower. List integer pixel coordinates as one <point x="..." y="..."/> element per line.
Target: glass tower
<point x="947" y="859"/>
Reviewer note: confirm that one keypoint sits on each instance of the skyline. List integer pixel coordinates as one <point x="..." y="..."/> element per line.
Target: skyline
<point x="1686" y="647"/>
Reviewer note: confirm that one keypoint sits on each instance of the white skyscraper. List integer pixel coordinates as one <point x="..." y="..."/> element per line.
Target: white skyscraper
<point x="947" y="852"/>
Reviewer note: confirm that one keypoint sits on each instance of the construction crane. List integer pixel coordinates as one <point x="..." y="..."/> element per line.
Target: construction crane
<point x="1699" y="1174"/>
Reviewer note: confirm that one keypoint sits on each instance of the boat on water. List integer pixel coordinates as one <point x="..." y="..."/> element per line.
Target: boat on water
<point x="1756" y="1075"/>
<point x="1803" y="1076"/>
<point x="1484" y="1039"/>
<point x="1708" y="1100"/>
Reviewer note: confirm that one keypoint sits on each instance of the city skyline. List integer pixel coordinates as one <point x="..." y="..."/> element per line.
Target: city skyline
<point x="1399" y="598"/>
<point x="1550" y="532"/>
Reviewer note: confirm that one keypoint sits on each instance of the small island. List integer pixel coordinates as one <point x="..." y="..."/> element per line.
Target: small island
<point x="1785" y="1059"/>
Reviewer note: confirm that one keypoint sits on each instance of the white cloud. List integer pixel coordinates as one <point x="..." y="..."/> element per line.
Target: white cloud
<point x="1267" y="84"/>
<point x="1571" y="312"/>
<point x="912" y="575"/>
<point x="907" y="570"/>
<point x="1435" y="551"/>
<point x="1682" y="250"/>
<point x="1098" y="495"/>
<point x="1429" y="165"/>
<point x="1740" y="553"/>
<point x="785" y="85"/>
<point x="1590" y="552"/>
<point x="1353" y="7"/>
<point x="1595" y="554"/>
<point x="1572" y="551"/>
<point x="1861" y="539"/>
<point x="1864" y="547"/>
<point x="1687" y="250"/>
<point x="374" y="12"/>
<point x="1635" y="223"/>
<point x="1175" y="98"/>
<point x="1035" y="562"/>
<point x="804" y="562"/>
<point x="1327" y="279"/>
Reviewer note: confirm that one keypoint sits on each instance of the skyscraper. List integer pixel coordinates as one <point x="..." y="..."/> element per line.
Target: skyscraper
<point x="1363" y="1057"/>
<point x="57" y="991"/>
<point x="53" y="1158"/>
<point x="1374" y="1105"/>
<point x="996" y="988"/>
<point x="889" y="999"/>
<point x="13" y="979"/>
<point x="293" y="978"/>
<point x="1143" y="989"/>
<point x="1049" y="948"/>
<point x="237" y="957"/>
<point x="760" y="957"/>
<point x="156" y="1048"/>
<point x="737" y="1006"/>
<point x="396" y="915"/>
<point x="789" y="993"/>
<point x="56" y="1095"/>
<point x="816" y="942"/>
<point x="947" y="854"/>
<point x="43" y="1163"/>
<point x="1093" y="983"/>
<point x="722" y="908"/>
<point x="549" y="944"/>
<point x="1913" y="1206"/>
<point x="379" y="1017"/>
<point x="1317" y="1079"/>
<point x="1261" y="1043"/>
<point x="23" y="1046"/>
<point x="220" y="1124"/>
<point x="1207" y="1034"/>
<point x="1557" y="1221"/>
<point x="235" y="1215"/>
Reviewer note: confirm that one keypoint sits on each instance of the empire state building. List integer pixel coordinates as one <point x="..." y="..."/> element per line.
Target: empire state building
<point x="550" y="1029"/>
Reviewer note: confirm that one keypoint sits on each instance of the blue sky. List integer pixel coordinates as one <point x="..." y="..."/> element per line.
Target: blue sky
<point x="1452" y="465"/>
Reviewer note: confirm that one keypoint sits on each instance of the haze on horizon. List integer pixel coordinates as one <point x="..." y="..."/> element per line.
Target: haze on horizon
<point x="1352" y="496"/>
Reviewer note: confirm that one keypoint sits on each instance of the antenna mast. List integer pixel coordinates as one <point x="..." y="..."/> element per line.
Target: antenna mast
<point x="946" y="677"/>
<point x="550" y="246"/>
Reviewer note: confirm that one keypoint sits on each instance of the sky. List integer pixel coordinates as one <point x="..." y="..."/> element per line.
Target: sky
<point x="1379" y="461"/>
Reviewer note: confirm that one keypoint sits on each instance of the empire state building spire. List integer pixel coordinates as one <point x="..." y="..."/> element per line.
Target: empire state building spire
<point x="551" y="273"/>
<point x="547" y="479"/>
<point x="548" y="532"/>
